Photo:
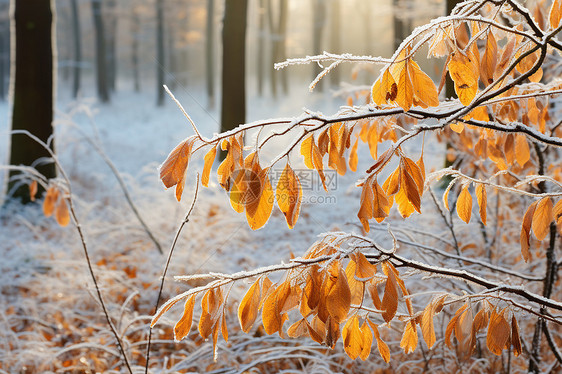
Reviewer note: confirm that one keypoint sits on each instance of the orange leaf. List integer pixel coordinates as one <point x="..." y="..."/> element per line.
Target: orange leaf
<point x="367" y="341"/>
<point x="405" y="94"/>
<point x="260" y="200"/>
<point x="289" y="194"/>
<point x="463" y="75"/>
<point x="482" y="199"/>
<point x="464" y="205"/>
<point x="61" y="212"/>
<point x="182" y="327"/>
<point x="525" y="237"/>
<point x="364" y="269"/>
<point x="338" y="299"/>
<point x="306" y="151"/>
<point x="172" y="171"/>
<point x="409" y="338"/>
<point x="32" y="190"/>
<point x="498" y="333"/>
<point x="272" y="317"/>
<point x="383" y="348"/>
<point x="390" y="298"/>
<point x="425" y="91"/>
<point x="209" y="159"/>
<point x="248" y="309"/>
<point x="522" y="152"/>
<point x="384" y="89"/>
<point x="298" y="328"/>
<point x="542" y="218"/>
<point x="489" y="60"/>
<point x="353" y="160"/>
<point x="428" y="330"/>
<point x="352" y="338"/>
<point x="452" y="324"/>
<point x="50" y="199"/>
<point x="555" y="14"/>
<point x="515" y="340"/>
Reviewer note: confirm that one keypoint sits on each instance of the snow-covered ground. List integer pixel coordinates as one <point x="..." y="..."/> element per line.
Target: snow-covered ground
<point x="48" y="302"/>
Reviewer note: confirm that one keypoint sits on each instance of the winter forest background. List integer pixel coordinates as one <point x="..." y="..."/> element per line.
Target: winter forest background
<point x="81" y="298"/>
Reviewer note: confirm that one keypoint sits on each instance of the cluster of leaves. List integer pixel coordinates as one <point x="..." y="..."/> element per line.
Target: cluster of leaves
<point x="500" y="127"/>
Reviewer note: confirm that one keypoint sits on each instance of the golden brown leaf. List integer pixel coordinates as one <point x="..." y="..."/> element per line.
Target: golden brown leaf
<point x="384" y="89"/>
<point x="525" y="237"/>
<point x="498" y="333"/>
<point x="515" y="339"/>
<point x="425" y="92"/>
<point x="390" y="298"/>
<point x="428" y="331"/>
<point x="452" y="323"/>
<point x="338" y="300"/>
<point x="555" y="14"/>
<point x="522" y="151"/>
<point x="32" y="190"/>
<point x="182" y="327"/>
<point x="352" y="338"/>
<point x="353" y="160"/>
<point x="298" y="328"/>
<point x="50" y="199"/>
<point x="409" y="337"/>
<point x="481" y="198"/>
<point x="272" y="317"/>
<point x="260" y="198"/>
<point x="542" y="218"/>
<point x="364" y="269"/>
<point x="248" y="309"/>
<point x="464" y="204"/>
<point x="461" y="69"/>
<point x="489" y="60"/>
<point x="172" y="171"/>
<point x="367" y="341"/>
<point x="289" y="194"/>
<point x="405" y="93"/>
<point x="209" y="159"/>
<point x="61" y="212"/>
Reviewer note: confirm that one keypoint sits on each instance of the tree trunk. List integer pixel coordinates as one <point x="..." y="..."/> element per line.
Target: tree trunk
<point x="335" y="39"/>
<point x="101" y="68"/>
<point x="210" y="53"/>
<point x="111" y="44"/>
<point x="172" y="63"/>
<point x="233" y="108"/>
<point x="135" y="48"/>
<point x="400" y="31"/>
<point x="319" y="20"/>
<point x="33" y="88"/>
<point x="261" y="41"/>
<point x="160" y="63"/>
<point x="77" y="48"/>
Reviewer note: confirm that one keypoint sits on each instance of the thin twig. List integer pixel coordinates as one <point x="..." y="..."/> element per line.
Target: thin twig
<point x="168" y="259"/>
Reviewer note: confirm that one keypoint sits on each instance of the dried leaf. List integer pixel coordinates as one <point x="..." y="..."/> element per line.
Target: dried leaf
<point x="428" y="331"/>
<point x="555" y="14"/>
<point x="61" y="212"/>
<point x="209" y="159"/>
<point x="522" y="151"/>
<point x="353" y="160"/>
<point x="542" y="218"/>
<point x="50" y="199"/>
<point x="298" y="328"/>
<point x="489" y="60"/>
<point x="390" y="298"/>
<point x="405" y="93"/>
<point x="259" y="204"/>
<point x="461" y="69"/>
<point x="525" y="237"/>
<point x="515" y="339"/>
<point x="248" y="309"/>
<point x="338" y="300"/>
<point x="482" y="199"/>
<point x="498" y="333"/>
<point x="289" y="194"/>
<point x="464" y="204"/>
<point x="352" y="338"/>
<point x="367" y="341"/>
<point x="32" y="190"/>
<point x="409" y="337"/>
<point x="172" y="171"/>
<point x="182" y="327"/>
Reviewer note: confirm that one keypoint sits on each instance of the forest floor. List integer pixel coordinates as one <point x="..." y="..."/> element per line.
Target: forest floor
<point x="49" y="315"/>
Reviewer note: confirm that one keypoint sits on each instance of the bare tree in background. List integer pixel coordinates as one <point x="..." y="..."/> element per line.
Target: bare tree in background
<point x="160" y="61"/>
<point x="335" y="38"/>
<point x="233" y="108"/>
<point x="261" y="45"/>
<point x="33" y="88"/>
<point x="278" y="32"/>
<point x="135" y="29"/>
<point x="76" y="35"/>
<point x="318" y="23"/>
<point x="111" y="16"/>
<point x="101" y="62"/>
<point x="210" y="53"/>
